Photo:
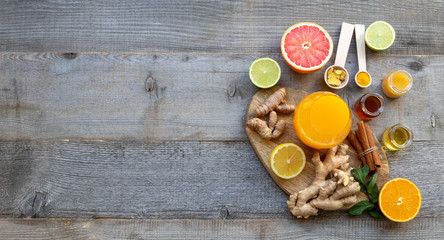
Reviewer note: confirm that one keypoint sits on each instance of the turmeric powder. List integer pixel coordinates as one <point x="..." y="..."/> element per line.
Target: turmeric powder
<point x="363" y="79"/>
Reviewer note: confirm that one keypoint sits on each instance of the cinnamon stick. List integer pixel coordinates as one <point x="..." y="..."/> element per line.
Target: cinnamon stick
<point x="362" y="136"/>
<point x="357" y="146"/>
<point x="371" y="141"/>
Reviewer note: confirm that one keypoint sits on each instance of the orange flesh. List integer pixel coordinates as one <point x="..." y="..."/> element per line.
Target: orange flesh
<point x="400" y="200"/>
<point x="322" y="120"/>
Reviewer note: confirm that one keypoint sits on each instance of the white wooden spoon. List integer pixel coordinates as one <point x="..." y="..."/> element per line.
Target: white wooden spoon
<point x="341" y="54"/>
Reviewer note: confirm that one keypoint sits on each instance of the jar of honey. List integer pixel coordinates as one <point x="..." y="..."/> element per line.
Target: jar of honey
<point x="322" y="120"/>
<point x="368" y="106"/>
<point x="397" y="84"/>
<point x="397" y="137"/>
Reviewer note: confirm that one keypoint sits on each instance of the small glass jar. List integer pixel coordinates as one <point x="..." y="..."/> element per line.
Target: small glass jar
<point x="397" y="83"/>
<point x="397" y="137"/>
<point x="368" y="106"/>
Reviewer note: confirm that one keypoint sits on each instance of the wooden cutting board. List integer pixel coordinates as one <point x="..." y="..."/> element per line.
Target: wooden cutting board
<point x="263" y="148"/>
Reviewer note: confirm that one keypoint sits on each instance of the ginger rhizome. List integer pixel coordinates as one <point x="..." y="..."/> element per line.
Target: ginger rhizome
<point x="285" y="108"/>
<point x="271" y="102"/>
<point x="274" y="103"/>
<point x="334" y="193"/>
<point x="274" y="129"/>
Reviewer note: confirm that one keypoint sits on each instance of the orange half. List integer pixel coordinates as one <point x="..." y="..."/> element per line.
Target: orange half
<point x="400" y="200"/>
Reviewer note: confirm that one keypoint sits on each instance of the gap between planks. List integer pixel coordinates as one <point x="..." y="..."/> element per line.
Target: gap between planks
<point x="204" y="53"/>
<point x="121" y="140"/>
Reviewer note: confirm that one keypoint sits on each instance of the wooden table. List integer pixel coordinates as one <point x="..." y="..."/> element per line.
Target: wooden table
<point x="121" y="119"/>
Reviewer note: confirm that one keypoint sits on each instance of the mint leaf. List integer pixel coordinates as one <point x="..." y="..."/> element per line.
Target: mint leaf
<point x="373" y="194"/>
<point x="358" y="174"/>
<point x="360" y="207"/>
<point x="362" y="188"/>
<point x="372" y="180"/>
<point x="375" y="213"/>
<point x="372" y="188"/>
<point x="365" y="171"/>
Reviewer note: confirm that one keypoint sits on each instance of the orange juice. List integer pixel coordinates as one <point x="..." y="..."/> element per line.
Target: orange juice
<point x="397" y="84"/>
<point x="322" y="120"/>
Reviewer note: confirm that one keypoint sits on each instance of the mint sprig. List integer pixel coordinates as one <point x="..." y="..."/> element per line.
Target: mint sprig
<point x="372" y="191"/>
<point x="360" y="207"/>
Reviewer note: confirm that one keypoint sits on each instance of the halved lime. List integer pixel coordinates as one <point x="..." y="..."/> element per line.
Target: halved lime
<point x="265" y="72"/>
<point x="379" y="36"/>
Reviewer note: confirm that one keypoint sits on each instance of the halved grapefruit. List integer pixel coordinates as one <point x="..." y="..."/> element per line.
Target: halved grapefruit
<point x="306" y="47"/>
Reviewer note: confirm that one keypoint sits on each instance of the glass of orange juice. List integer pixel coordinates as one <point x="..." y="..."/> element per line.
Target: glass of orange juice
<point x="322" y="120"/>
<point x="397" y="83"/>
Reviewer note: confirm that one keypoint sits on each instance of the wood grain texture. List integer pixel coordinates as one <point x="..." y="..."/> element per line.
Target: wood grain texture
<point x="264" y="148"/>
<point x="136" y="179"/>
<point x="132" y="77"/>
<point x="326" y="228"/>
<point x="182" y="96"/>
<point x="205" y="26"/>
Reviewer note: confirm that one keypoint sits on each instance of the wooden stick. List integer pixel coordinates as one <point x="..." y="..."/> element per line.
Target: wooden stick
<point x="362" y="136"/>
<point x="371" y="141"/>
<point x="357" y="146"/>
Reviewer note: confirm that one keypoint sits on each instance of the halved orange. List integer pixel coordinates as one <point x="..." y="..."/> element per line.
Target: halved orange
<point x="400" y="200"/>
<point x="287" y="160"/>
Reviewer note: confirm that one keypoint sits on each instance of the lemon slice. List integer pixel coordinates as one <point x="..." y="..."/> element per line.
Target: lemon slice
<point x="287" y="160"/>
<point x="379" y="36"/>
<point x="265" y="72"/>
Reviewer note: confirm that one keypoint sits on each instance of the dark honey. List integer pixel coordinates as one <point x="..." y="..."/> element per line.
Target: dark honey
<point x="370" y="105"/>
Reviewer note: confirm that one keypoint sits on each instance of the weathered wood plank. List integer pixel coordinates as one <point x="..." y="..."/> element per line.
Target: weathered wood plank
<point x="181" y="96"/>
<point x="205" y="26"/>
<point x="136" y="179"/>
<point x="326" y="228"/>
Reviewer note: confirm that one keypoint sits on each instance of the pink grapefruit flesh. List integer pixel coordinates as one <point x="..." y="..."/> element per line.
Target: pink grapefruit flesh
<point x="306" y="47"/>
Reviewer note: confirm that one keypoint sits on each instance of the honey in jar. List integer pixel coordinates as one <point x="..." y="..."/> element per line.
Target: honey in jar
<point x="368" y="106"/>
<point x="397" y="137"/>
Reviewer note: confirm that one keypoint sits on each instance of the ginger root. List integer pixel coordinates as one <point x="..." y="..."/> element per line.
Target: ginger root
<point x="272" y="119"/>
<point x="275" y="101"/>
<point x="271" y="102"/>
<point x="285" y="108"/>
<point x="331" y="194"/>
<point x="274" y="129"/>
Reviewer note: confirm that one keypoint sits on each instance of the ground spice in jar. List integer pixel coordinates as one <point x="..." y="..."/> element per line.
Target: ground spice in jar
<point x="363" y="79"/>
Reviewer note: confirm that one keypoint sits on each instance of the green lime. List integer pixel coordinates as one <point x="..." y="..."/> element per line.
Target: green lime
<point x="379" y="36"/>
<point x="265" y="72"/>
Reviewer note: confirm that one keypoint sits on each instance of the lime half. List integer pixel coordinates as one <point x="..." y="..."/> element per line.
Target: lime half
<point x="379" y="36"/>
<point x="265" y="72"/>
